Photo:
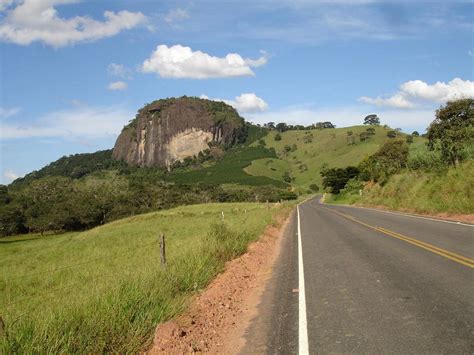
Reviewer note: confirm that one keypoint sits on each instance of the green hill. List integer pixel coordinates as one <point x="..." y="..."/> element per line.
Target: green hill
<point x="316" y="149"/>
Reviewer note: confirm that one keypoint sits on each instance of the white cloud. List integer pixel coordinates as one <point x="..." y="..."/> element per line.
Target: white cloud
<point x="176" y="15"/>
<point x="77" y="123"/>
<point x="182" y="62"/>
<point x="413" y="92"/>
<point x="470" y="53"/>
<point x="118" y="85"/>
<point x="397" y="100"/>
<point x="244" y="103"/>
<point x="9" y="175"/>
<point x="7" y="112"/>
<point x="119" y="70"/>
<point x="38" y="21"/>
<point x="440" y="91"/>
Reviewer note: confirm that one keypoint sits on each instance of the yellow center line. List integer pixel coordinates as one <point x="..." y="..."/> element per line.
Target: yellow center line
<point x="442" y="252"/>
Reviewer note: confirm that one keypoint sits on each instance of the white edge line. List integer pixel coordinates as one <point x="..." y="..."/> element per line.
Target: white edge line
<point x="302" y="322"/>
<point x="405" y="215"/>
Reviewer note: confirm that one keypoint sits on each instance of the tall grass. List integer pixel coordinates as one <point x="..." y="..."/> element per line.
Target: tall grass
<point x="104" y="290"/>
<point x="445" y="190"/>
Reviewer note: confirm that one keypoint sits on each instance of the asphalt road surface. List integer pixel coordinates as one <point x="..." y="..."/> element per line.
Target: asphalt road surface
<point x="368" y="281"/>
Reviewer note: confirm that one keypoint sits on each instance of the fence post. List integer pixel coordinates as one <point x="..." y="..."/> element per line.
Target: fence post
<point x="222" y="215"/>
<point x="3" y="330"/>
<point x="162" y="249"/>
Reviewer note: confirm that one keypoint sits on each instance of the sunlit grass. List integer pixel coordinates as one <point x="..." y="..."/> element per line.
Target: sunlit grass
<point x="104" y="290"/>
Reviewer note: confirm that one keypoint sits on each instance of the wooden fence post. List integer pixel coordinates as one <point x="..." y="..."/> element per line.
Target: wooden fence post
<point x="162" y="249"/>
<point x="3" y="330"/>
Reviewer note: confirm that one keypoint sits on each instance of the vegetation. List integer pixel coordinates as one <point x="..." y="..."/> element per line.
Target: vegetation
<point x="452" y="131"/>
<point x="405" y="175"/>
<point x="104" y="291"/>
<point x="319" y="149"/>
<point x="372" y="120"/>
<point x="230" y="170"/>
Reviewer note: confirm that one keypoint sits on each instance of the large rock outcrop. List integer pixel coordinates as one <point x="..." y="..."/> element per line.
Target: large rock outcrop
<point x="170" y="130"/>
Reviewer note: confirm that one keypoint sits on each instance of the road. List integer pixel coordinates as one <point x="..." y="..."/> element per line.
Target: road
<point x="373" y="282"/>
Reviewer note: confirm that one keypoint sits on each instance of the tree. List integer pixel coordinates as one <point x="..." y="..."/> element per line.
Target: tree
<point x="370" y="131"/>
<point x="415" y="134"/>
<point x="278" y="137"/>
<point x="324" y="125"/>
<point x="335" y="179"/>
<point x="391" y="134"/>
<point x="452" y="130"/>
<point x="286" y="177"/>
<point x="282" y="127"/>
<point x="363" y="136"/>
<point x="269" y="125"/>
<point x="372" y="120"/>
<point x="391" y="158"/>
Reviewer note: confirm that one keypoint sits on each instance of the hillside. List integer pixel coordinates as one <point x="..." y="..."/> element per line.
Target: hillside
<point x="445" y="192"/>
<point x="304" y="153"/>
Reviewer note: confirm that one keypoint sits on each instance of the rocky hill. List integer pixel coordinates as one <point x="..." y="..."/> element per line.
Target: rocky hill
<point x="169" y="130"/>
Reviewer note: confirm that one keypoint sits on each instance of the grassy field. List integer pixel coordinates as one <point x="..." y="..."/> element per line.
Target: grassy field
<point x="230" y="170"/>
<point x="449" y="191"/>
<point x="104" y="290"/>
<point x="316" y="149"/>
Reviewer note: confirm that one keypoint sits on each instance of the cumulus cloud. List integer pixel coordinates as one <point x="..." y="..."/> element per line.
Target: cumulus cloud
<point x="77" y="123"/>
<point x="9" y="175"/>
<point x="118" y="85"/>
<point x="7" y="112"/>
<point x="244" y="103"/>
<point x="397" y="100"/>
<point x="182" y="62"/>
<point x="413" y="92"/>
<point x="38" y="21"/>
<point x="119" y="70"/>
<point x="176" y="15"/>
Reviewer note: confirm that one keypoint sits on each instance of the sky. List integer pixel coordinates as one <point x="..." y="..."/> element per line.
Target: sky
<point x="74" y="72"/>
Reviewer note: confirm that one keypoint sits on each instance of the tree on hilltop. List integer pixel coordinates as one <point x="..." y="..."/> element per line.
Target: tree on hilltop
<point x="372" y="120"/>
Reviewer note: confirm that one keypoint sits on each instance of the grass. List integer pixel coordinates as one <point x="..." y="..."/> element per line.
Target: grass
<point x="230" y="170"/>
<point x="328" y="147"/>
<point x="450" y="191"/>
<point x="104" y="290"/>
<point x="273" y="168"/>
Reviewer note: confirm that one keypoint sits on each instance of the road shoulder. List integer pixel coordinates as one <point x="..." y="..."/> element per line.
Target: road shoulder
<point x="219" y="318"/>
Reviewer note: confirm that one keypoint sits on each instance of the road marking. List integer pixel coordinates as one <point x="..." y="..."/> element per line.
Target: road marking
<point x="302" y="322"/>
<point x="436" y="250"/>
<point x="413" y="216"/>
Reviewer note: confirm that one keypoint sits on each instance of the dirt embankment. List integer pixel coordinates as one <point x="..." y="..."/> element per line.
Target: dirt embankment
<point x="218" y="317"/>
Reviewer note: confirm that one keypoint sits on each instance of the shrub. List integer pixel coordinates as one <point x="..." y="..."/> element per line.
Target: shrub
<point x="314" y="187"/>
<point x="278" y="137"/>
<point x="391" y="134"/>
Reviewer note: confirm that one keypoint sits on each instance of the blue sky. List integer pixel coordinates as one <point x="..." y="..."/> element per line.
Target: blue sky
<point x="74" y="72"/>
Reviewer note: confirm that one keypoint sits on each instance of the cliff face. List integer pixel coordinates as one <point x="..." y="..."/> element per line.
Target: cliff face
<point x="169" y="130"/>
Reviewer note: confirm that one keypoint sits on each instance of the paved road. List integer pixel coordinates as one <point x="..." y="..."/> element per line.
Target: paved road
<point x="374" y="282"/>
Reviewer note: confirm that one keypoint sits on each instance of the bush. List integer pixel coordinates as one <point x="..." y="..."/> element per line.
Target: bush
<point x="391" y="134"/>
<point x="314" y="187"/>
<point x="278" y="137"/>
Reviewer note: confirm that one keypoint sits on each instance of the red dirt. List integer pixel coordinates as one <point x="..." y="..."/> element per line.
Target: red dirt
<point x="217" y="319"/>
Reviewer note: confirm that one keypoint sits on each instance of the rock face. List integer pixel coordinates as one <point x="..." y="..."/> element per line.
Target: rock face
<point x="170" y="130"/>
